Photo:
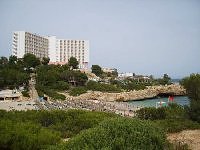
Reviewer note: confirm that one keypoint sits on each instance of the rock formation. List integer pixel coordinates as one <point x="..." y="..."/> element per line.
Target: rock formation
<point x="149" y="92"/>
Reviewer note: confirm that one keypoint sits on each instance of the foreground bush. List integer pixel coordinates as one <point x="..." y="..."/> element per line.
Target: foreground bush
<point x="177" y="125"/>
<point x="151" y="113"/>
<point x="68" y="123"/>
<point x="192" y="86"/>
<point x="173" y="118"/>
<point x="121" y="134"/>
<point x="173" y="111"/>
<point x="25" y="136"/>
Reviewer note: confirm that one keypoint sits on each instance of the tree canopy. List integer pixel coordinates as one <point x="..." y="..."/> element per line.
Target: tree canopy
<point x="45" y="61"/>
<point x="96" y="69"/>
<point x="12" y="73"/>
<point x="30" y="61"/>
<point x="73" y="63"/>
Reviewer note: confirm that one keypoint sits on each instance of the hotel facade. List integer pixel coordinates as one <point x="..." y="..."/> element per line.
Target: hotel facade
<point x="58" y="50"/>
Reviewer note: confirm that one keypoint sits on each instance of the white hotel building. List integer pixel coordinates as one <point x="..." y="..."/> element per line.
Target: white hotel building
<point x="58" y="50"/>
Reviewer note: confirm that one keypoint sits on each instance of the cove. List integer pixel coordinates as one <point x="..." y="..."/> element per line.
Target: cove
<point x="181" y="100"/>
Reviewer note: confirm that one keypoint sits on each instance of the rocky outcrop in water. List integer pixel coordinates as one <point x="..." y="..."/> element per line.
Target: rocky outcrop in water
<point x="149" y="92"/>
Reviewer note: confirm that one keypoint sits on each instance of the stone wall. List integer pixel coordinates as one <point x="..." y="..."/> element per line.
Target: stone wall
<point x="149" y="92"/>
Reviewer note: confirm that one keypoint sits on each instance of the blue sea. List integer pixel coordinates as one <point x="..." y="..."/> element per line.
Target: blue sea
<point x="181" y="100"/>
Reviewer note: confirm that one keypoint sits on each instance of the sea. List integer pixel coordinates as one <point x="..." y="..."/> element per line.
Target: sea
<point x="180" y="100"/>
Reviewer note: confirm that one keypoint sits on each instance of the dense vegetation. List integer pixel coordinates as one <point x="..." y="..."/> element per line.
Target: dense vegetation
<point x="87" y="130"/>
<point x="25" y="136"/>
<point x="173" y="118"/>
<point x="12" y="73"/>
<point x="119" y="133"/>
<point x="96" y="69"/>
<point x="52" y="80"/>
<point x="40" y="129"/>
<point x="77" y="91"/>
<point x="92" y="85"/>
<point x="129" y="84"/>
<point x="37" y="129"/>
<point x="98" y="130"/>
<point x="73" y="63"/>
<point x="192" y="86"/>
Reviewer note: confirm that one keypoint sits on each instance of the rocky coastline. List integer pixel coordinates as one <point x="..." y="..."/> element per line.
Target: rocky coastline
<point x="148" y="93"/>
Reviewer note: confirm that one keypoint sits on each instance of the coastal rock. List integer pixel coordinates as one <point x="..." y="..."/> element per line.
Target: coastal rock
<point x="149" y="92"/>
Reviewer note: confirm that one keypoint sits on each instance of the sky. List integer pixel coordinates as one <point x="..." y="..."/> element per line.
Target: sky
<point x="149" y="37"/>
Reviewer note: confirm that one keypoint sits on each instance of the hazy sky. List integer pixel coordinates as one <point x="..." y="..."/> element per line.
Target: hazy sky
<point x="141" y="36"/>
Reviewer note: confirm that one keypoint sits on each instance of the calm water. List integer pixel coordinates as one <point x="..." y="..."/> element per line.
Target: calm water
<point x="181" y="100"/>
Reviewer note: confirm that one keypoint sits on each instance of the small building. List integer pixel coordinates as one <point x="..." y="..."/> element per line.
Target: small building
<point x="125" y="75"/>
<point x="141" y="79"/>
<point x="10" y="95"/>
<point x="109" y="70"/>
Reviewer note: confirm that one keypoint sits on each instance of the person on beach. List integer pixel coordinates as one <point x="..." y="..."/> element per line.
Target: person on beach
<point x="170" y="99"/>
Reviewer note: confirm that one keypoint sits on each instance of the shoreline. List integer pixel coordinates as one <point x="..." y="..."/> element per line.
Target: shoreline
<point x="156" y="97"/>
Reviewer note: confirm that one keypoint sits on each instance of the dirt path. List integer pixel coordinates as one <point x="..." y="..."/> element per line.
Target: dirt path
<point x="189" y="137"/>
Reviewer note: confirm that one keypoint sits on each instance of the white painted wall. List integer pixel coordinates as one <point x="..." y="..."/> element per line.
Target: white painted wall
<point x="20" y="42"/>
<point x="86" y="56"/>
<point x="52" y="48"/>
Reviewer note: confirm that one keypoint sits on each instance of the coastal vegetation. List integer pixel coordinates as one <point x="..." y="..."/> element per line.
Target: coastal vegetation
<point x="77" y="91"/>
<point x="173" y="118"/>
<point x="92" y="85"/>
<point x="90" y="129"/>
<point x="129" y="84"/>
<point x="119" y="133"/>
<point x="52" y="80"/>
<point x="94" y="130"/>
<point x="192" y="86"/>
<point x="38" y="129"/>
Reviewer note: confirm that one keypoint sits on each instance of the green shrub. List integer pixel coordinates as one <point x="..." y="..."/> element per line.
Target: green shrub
<point x="177" y="125"/>
<point x="25" y="136"/>
<point x="39" y="89"/>
<point x="175" y="111"/>
<point x="77" y="91"/>
<point x="95" y="86"/>
<point x="172" y="111"/>
<point x="192" y="86"/>
<point x="194" y="110"/>
<point x="60" y="86"/>
<point x="119" y="133"/>
<point x="53" y="94"/>
<point x="75" y="121"/>
<point x="151" y="113"/>
<point x="69" y="123"/>
<point x="129" y="84"/>
<point x="50" y="92"/>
